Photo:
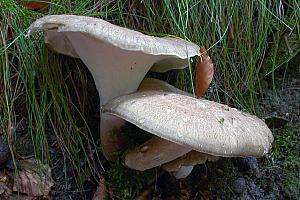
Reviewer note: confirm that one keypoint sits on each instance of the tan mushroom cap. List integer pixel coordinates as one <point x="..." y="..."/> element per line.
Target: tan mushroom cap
<point x="59" y="29"/>
<point x="118" y="58"/>
<point x="203" y="125"/>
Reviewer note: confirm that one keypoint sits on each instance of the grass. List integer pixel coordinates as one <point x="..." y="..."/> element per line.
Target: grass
<point x="50" y="92"/>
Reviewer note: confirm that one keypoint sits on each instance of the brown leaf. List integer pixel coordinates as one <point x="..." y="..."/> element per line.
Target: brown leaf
<point x="5" y="185"/>
<point x="35" y="5"/>
<point x="101" y="192"/>
<point x="204" y="73"/>
<point x="231" y="30"/>
<point x="20" y="197"/>
<point x="205" y="195"/>
<point x="146" y="194"/>
<point x="34" y="178"/>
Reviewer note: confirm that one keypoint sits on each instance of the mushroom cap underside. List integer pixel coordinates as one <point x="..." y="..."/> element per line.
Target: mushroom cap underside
<point x="203" y="125"/>
<point x="190" y="159"/>
<point x="153" y="153"/>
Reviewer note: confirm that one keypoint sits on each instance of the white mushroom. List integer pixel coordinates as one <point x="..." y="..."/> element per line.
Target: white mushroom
<point x="117" y="57"/>
<point x="162" y="152"/>
<point x="199" y="124"/>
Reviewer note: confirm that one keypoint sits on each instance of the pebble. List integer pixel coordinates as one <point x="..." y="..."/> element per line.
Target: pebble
<point x="239" y="185"/>
<point x="251" y="163"/>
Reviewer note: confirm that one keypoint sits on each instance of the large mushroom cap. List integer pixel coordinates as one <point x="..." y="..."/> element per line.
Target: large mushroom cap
<point x="121" y="37"/>
<point x="203" y="125"/>
<point x="58" y="29"/>
<point x="117" y="57"/>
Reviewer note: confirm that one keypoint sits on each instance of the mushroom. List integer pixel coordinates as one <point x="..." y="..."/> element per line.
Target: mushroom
<point x="158" y="151"/>
<point x="118" y="58"/>
<point x="168" y="152"/>
<point x="204" y="126"/>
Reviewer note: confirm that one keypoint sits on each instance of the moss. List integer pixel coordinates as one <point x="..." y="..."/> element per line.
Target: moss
<point x="127" y="183"/>
<point x="284" y="162"/>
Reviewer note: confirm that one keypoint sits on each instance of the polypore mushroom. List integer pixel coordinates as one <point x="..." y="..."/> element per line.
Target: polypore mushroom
<point x="118" y="58"/>
<point x="198" y="124"/>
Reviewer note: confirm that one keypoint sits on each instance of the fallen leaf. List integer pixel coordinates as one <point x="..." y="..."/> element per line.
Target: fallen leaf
<point x="20" y="197"/>
<point x="205" y="195"/>
<point x="33" y="179"/>
<point x="146" y="194"/>
<point x="35" y="5"/>
<point x="101" y="192"/>
<point x="231" y="30"/>
<point x="204" y="73"/>
<point x="5" y="186"/>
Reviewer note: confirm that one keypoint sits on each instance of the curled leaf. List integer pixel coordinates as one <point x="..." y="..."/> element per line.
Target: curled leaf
<point x="204" y="73"/>
<point x="35" y="5"/>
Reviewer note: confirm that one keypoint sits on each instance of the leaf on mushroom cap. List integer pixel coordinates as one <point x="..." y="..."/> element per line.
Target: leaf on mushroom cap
<point x="203" y="125"/>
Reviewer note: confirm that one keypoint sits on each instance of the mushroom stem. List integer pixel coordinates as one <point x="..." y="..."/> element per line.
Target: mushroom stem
<point x="183" y="166"/>
<point x="112" y="139"/>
